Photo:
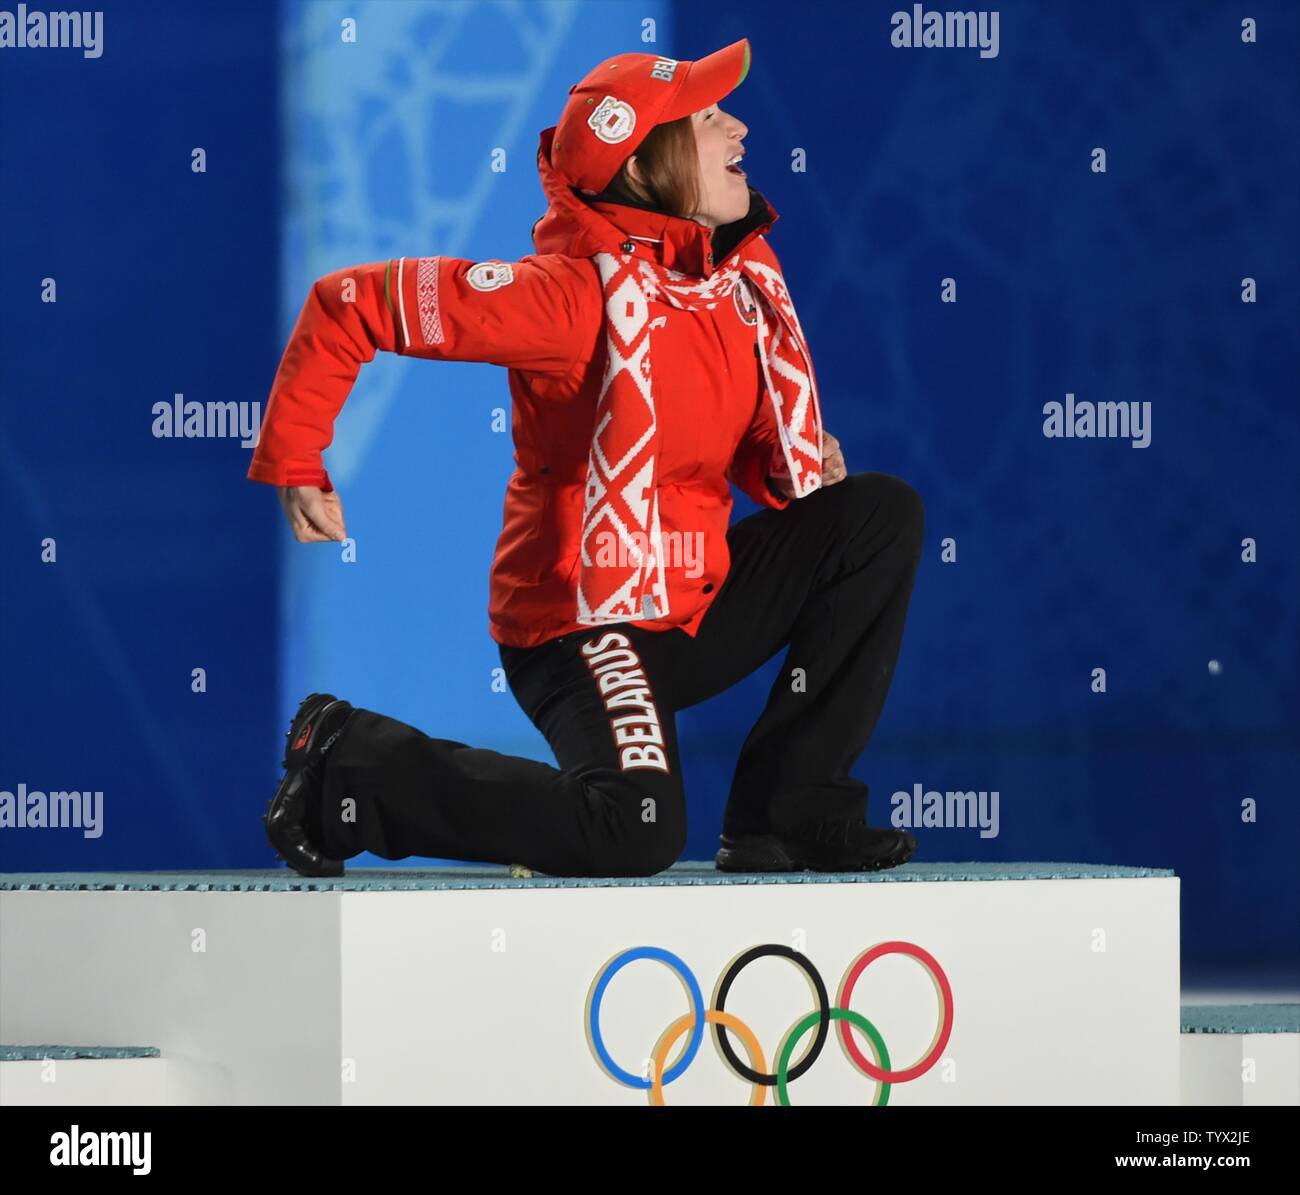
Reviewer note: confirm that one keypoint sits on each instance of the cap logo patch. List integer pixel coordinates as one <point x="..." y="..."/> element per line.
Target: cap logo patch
<point x="664" y="68"/>
<point x="489" y="275"/>
<point x="613" y="120"/>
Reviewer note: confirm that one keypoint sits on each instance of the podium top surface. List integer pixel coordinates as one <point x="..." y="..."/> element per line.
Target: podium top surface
<point x="373" y="879"/>
<point x="1241" y="1018"/>
<point x="70" y="1053"/>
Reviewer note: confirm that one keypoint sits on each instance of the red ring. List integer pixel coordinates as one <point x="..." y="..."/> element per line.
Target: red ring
<point x="846" y="994"/>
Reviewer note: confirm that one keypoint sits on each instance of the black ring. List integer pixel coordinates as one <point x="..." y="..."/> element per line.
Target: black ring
<point x="823" y="1007"/>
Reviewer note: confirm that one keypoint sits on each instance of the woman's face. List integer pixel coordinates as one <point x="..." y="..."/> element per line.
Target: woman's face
<point x="724" y="192"/>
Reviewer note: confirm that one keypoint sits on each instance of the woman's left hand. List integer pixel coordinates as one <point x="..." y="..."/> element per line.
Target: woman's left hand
<point x="833" y="467"/>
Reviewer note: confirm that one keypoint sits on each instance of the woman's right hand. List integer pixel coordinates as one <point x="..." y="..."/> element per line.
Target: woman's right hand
<point x="314" y="516"/>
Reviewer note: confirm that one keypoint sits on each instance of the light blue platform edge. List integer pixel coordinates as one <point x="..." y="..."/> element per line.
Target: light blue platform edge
<point x="1241" y="1018"/>
<point x="374" y="879"/>
<point x="61" y="1053"/>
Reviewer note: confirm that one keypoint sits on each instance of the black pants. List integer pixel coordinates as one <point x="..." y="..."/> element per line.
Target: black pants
<point x="830" y="576"/>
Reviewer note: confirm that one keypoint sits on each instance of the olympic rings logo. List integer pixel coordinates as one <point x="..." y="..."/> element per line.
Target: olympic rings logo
<point x="756" y="1073"/>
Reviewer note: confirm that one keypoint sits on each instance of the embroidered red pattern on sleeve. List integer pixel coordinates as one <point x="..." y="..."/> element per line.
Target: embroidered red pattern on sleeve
<point x="426" y="293"/>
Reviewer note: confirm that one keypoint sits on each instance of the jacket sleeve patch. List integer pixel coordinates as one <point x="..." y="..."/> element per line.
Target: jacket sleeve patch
<point x="489" y="275"/>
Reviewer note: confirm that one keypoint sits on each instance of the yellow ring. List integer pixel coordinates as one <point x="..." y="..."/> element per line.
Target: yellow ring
<point x="684" y="1024"/>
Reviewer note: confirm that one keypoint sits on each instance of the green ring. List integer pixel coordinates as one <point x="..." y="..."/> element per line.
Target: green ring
<point x="836" y="1014"/>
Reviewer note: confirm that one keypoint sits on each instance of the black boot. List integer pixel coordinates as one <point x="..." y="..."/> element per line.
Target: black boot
<point x="824" y="846"/>
<point x="313" y="731"/>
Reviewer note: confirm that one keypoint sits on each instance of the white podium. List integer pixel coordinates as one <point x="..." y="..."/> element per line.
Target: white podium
<point x="941" y="984"/>
<point x="1241" y="1055"/>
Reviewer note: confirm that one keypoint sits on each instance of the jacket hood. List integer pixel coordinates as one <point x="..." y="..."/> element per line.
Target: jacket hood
<point x="578" y="225"/>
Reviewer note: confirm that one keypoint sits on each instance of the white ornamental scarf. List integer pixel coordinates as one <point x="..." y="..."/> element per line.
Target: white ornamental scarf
<point x="621" y="573"/>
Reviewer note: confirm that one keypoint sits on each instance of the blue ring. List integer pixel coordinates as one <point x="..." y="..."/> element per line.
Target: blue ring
<point x="697" y="1001"/>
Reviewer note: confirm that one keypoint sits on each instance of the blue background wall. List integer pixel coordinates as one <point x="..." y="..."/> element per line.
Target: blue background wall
<point x="167" y="284"/>
<point x="921" y="165"/>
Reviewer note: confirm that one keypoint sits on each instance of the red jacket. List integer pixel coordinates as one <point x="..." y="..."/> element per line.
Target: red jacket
<point x="543" y="318"/>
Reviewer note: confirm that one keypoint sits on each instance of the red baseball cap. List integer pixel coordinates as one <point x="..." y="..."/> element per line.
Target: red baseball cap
<point x="612" y="110"/>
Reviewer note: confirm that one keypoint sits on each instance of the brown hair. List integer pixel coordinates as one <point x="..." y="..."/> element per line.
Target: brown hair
<point x="669" y="163"/>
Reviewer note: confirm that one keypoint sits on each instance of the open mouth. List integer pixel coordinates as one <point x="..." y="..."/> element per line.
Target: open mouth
<point x="733" y="167"/>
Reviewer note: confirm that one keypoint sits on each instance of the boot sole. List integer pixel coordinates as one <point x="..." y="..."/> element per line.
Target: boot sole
<point x="769" y="853"/>
<point x="331" y="869"/>
<point x="312" y="707"/>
